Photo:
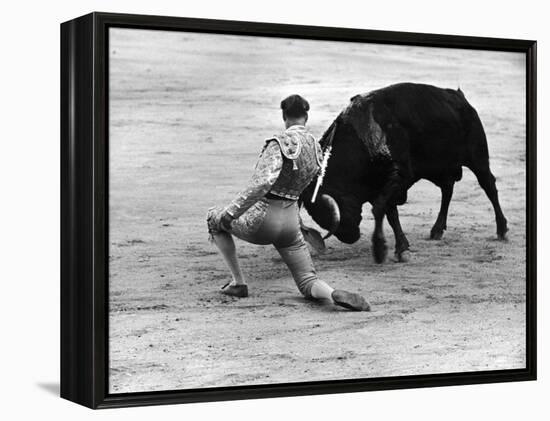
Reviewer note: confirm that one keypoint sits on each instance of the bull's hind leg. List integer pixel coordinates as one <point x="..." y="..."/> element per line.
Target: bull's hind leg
<point x="478" y="162"/>
<point x="401" y="242"/>
<point x="487" y="182"/>
<point x="441" y="222"/>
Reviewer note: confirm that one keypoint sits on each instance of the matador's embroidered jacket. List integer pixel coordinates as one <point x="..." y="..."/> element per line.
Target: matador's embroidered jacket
<point x="287" y="164"/>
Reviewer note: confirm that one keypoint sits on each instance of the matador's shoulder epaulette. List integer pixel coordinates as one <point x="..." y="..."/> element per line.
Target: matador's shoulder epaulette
<point x="290" y="145"/>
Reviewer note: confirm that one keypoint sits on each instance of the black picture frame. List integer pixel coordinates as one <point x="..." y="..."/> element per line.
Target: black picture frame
<point x="84" y="209"/>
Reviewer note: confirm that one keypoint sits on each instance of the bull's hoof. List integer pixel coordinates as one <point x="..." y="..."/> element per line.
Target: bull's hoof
<point x="379" y="249"/>
<point x="436" y="234"/>
<point x="502" y="229"/>
<point x="403" y="257"/>
<point x="502" y="236"/>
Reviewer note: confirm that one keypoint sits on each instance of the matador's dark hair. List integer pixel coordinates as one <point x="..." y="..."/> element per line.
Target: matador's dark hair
<point x="294" y="106"/>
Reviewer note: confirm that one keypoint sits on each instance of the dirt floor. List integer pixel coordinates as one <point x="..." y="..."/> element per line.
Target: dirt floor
<point x="188" y="116"/>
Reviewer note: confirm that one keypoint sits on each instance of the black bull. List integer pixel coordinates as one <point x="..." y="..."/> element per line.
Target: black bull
<point x="386" y="141"/>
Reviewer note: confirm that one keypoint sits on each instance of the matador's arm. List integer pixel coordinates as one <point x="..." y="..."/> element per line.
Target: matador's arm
<point x="267" y="171"/>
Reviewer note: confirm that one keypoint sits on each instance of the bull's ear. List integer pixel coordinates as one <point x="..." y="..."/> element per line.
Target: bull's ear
<point x="313" y="237"/>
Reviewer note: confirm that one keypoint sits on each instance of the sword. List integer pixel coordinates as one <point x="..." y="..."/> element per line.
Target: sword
<point x="324" y="164"/>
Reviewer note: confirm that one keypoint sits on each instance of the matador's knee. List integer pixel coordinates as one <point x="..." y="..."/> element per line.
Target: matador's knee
<point x="213" y="218"/>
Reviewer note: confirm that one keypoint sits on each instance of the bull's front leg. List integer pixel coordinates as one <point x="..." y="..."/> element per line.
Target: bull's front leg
<point x="388" y="195"/>
<point x="402" y="253"/>
<point x="379" y="247"/>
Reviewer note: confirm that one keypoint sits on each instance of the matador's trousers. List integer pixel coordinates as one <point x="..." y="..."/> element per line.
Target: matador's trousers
<point x="273" y="221"/>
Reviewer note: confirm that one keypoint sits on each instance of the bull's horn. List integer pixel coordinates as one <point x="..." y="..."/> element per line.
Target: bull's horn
<point x="334" y="214"/>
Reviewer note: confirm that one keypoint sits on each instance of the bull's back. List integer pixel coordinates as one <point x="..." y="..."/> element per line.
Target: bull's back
<point x="423" y="110"/>
<point x="433" y="124"/>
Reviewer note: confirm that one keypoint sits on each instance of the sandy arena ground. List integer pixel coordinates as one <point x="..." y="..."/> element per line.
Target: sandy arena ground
<point x="188" y="116"/>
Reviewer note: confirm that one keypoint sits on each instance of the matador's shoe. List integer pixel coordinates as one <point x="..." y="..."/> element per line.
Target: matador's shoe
<point x="350" y="300"/>
<point x="240" y="291"/>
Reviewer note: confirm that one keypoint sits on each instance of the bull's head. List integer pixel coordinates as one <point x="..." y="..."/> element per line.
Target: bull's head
<point x="339" y="214"/>
<point x="336" y="207"/>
